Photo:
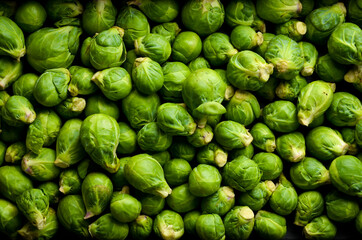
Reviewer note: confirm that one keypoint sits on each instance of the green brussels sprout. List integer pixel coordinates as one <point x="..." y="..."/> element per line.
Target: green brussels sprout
<point x="182" y="149"/>
<point x="291" y="146"/>
<point x="259" y="24"/>
<point x="212" y="154"/>
<point x="4" y="97"/>
<point x="169" y="225"/>
<point x="51" y="190"/>
<point x="257" y="197"/>
<point x="127" y="139"/>
<point x="202" y="137"/>
<point x="43" y="132"/>
<point x="14" y="152"/>
<point x="7" y="8"/>
<point x="85" y="52"/>
<point x="3" y="150"/>
<point x="240" y="12"/>
<point x="70" y="213"/>
<point x="30" y="16"/>
<point x="158" y="11"/>
<point x="354" y="76"/>
<point x="286" y="56"/>
<point x="61" y="46"/>
<point x="359" y="222"/>
<point x="10" y="134"/>
<point x="10" y="175"/>
<point x="154" y="46"/>
<point x="169" y="30"/>
<point x="348" y="135"/>
<point x="218" y="49"/>
<point x="152" y="138"/>
<point x="118" y="178"/>
<point x="141" y="228"/>
<point x="71" y="107"/>
<point x="239" y="223"/>
<point x="130" y="58"/>
<point x="186" y="47"/>
<point x="345" y="173"/>
<point x="219" y="202"/>
<point x="320" y="228"/>
<point x="310" y="56"/>
<point x="140" y="109"/>
<point x="245" y="38"/>
<point x="105" y="50"/>
<point x="230" y="135"/>
<point x="69" y="182"/>
<point x="270" y="165"/>
<point x="152" y="180"/>
<point x="210" y="226"/>
<point x="181" y="200"/>
<point x="84" y="167"/>
<point x="321" y="22"/>
<point x="293" y="28"/>
<point x="177" y="171"/>
<point x="190" y="219"/>
<point x="134" y="23"/>
<point x="108" y="228"/>
<point x="278" y="11"/>
<point x="24" y="86"/>
<point x="75" y="22"/>
<point x="124" y="207"/>
<point x="10" y="71"/>
<point x="267" y="92"/>
<point x="10" y="219"/>
<point x="151" y="204"/>
<point x="80" y="82"/>
<point x="325" y="143"/>
<point x="358" y="133"/>
<point x="329" y="70"/>
<point x="247" y="152"/>
<point x="263" y="137"/>
<point x="310" y="205"/>
<point x="34" y="204"/>
<point x="242" y="174"/>
<point x="309" y="174"/>
<point x="290" y="89"/>
<point x="97" y="191"/>
<point x="247" y="70"/>
<point x="269" y="225"/>
<point x="174" y="75"/>
<point x="100" y="104"/>
<point x="12" y="39"/>
<point x="284" y="199"/>
<point x="98" y="15"/>
<point x="340" y="207"/>
<point x="281" y="116"/>
<point x="230" y="91"/>
<point x="204" y="180"/>
<point x="40" y="166"/>
<point x="198" y="63"/>
<point x="18" y="111"/>
<point x="147" y="75"/>
<point x="349" y="52"/>
<point x="60" y="9"/>
<point x="345" y="110"/>
<point x="354" y="12"/>
<point x="261" y="49"/>
<point x="162" y="157"/>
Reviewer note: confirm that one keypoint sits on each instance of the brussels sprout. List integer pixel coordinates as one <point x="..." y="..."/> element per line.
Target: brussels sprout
<point x="154" y="46"/>
<point x="269" y="225"/>
<point x="329" y="70"/>
<point x="359" y="222"/>
<point x="245" y="37"/>
<point x="18" y="111"/>
<point x="348" y="135"/>
<point x="4" y="97"/>
<point x="162" y="157"/>
<point x="168" y="225"/>
<point x="7" y="8"/>
<point x="267" y="92"/>
<point x="70" y="182"/>
<point x="158" y="11"/>
<point x="190" y="220"/>
<point x="354" y="76"/>
<point x="198" y="63"/>
<point x="320" y="228"/>
<point x="240" y="12"/>
<point x="230" y="135"/>
<point x="204" y="180"/>
<point x="278" y="11"/>
<point x="108" y="228"/>
<point x="2" y="152"/>
<point x="293" y="28"/>
<point x="75" y="22"/>
<point x="257" y="197"/>
<point x="14" y="152"/>
<point x="98" y="15"/>
<point x="118" y="178"/>
<point x="70" y="213"/>
<point x="354" y="12"/>
<point x="201" y="137"/>
<point x="59" y="9"/>
<point x="174" y="74"/>
<point x="141" y="228"/>
<point x="261" y="49"/>
<point x="71" y="107"/>
<point x="151" y="204"/>
<point x="51" y="190"/>
<point x="219" y="202"/>
<point x="182" y="149"/>
<point x="99" y="104"/>
<point x="321" y="22"/>
<point x="12" y="39"/>
<point x="127" y="139"/>
<point x="242" y="174"/>
<point x="203" y="17"/>
<point x="218" y="49"/>
<point x="270" y="165"/>
<point x="30" y="16"/>
<point x="291" y="146"/>
<point x="177" y="171"/>
<point x="239" y="223"/>
<point x="317" y="122"/>
<point x="140" y="109"/>
<point x="289" y="90"/>
<point x="340" y="207"/>
<point x="345" y="173"/>
<point x="124" y="207"/>
<point x="186" y="47"/>
<point x="130" y="58"/>
<point x="230" y="91"/>
<point x="169" y="30"/>
<point x="147" y="75"/>
<point x="247" y="152"/>
<point x="247" y="70"/>
<point x="263" y="137"/>
<point x="152" y="138"/>
<point x="284" y="199"/>
<point x="325" y="143"/>
<point x="281" y="116"/>
<point x="80" y="82"/>
<point x="61" y="46"/>
<point x="212" y="154"/>
<point x="310" y="56"/>
<point x="10" y="218"/>
<point x="349" y="52"/>
<point x="286" y="56"/>
<point x="358" y="133"/>
<point x="10" y="71"/>
<point x="310" y="205"/>
<point x="210" y="226"/>
<point x="10" y="175"/>
<point x="24" y="86"/>
<point x="181" y="200"/>
<point x="152" y="180"/>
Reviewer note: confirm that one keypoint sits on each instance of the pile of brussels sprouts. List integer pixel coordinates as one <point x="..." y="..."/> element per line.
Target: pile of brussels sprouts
<point x="165" y="119"/>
